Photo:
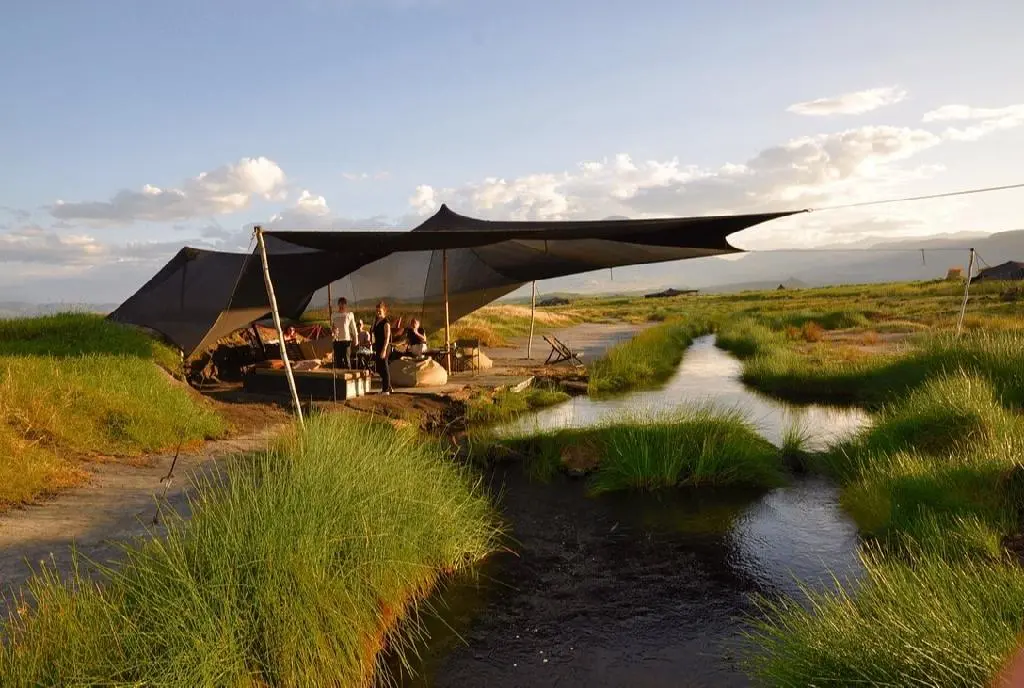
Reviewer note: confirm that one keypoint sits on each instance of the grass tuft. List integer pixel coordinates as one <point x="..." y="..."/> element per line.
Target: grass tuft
<point x="647" y="359"/>
<point x="699" y="446"/>
<point x="485" y="409"/>
<point x="917" y="622"/>
<point x="294" y="569"/>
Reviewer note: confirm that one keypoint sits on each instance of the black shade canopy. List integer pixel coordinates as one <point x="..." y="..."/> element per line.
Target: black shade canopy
<point x="201" y="296"/>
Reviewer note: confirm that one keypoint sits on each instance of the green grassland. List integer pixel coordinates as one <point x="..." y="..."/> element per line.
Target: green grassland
<point x="297" y="565"/>
<point x="75" y="387"/>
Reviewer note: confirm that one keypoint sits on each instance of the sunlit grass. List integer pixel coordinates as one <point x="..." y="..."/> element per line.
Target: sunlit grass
<point x="485" y="409"/>
<point x="919" y="622"/>
<point x="648" y="358"/>
<point x="74" y="386"/>
<point x="293" y="571"/>
<point x="696" y="446"/>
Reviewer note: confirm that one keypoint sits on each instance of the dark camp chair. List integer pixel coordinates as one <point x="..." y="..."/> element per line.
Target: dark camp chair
<point x="560" y="352"/>
<point x="472" y="344"/>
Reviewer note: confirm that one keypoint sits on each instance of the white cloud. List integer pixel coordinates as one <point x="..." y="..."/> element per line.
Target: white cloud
<point x="35" y="244"/>
<point x="803" y="172"/>
<point x="855" y="103"/>
<point x="986" y="120"/>
<point x="227" y="189"/>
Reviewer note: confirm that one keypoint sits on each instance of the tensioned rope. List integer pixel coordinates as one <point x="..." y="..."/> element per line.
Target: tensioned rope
<point x="947" y="194"/>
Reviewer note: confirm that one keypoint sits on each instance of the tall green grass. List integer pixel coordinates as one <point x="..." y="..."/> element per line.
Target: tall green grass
<point x="647" y="359"/>
<point x="933" y="470"/>
<point x="923" y="621"/>
<point x="294" y="570"/>
<point x="699" y="446"/>
<point x="76" y="385"/>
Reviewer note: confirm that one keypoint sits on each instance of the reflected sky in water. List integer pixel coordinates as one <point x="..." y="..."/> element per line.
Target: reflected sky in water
<point x="707" y="375"/>
<point x="640" y="588"/>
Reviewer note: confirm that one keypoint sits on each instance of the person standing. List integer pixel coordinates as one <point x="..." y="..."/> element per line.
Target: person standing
<point x="343" y="324"/>
<point x="382" y="347"/>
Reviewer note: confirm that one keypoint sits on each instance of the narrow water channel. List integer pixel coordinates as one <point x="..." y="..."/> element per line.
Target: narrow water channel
<point x="706" y="375"/>
<point x="638" y="589"/>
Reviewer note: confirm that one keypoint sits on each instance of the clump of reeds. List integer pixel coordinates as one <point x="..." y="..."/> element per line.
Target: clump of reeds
<point x="294" y="570"/>
<point x="647" y="359"/>
<point x="696" y="446"/>
<point x="915" y="621"/>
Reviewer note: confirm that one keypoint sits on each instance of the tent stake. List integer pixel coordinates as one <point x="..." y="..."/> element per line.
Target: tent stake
<point x="533" y="315"/>
<point x="277" y="324"/>
<point x="447" y="325"/>
<point x="967" y="288"/>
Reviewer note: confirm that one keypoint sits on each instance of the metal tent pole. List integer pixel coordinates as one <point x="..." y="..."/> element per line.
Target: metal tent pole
<point x="533" y="315"/>
<point x="967" y="287"/>
<point x="277" y="324"/>
<point x="447" y="324"/>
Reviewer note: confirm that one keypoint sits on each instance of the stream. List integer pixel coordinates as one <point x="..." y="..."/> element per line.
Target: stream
<point x="638" y="589"/>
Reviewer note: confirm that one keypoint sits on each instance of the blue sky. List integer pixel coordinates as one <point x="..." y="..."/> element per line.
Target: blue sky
<point x="358" y="106"/>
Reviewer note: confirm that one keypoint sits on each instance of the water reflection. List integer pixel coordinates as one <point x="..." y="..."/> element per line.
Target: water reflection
<point x="631" y="589"/>
<point x="639" y="589"/>
<point x="706" y="375"/>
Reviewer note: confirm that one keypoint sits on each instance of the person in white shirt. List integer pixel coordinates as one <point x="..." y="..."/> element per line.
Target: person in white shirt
<point x="343" y="324"/>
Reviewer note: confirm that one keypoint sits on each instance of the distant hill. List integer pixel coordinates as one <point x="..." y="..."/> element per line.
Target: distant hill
<point x="863" y="263"/>
<point x="23" y="309"/>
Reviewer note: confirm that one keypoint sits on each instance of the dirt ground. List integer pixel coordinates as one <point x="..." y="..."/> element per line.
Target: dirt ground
<point x="591" y="340"/>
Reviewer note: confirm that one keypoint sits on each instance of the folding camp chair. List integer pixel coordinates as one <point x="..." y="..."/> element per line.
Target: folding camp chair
<point x="560" y="352"/>
<point x="472" y="345"/>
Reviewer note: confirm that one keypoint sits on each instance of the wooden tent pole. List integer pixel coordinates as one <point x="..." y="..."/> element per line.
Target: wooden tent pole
<point x="277" y="324"/>
<point x="533" y="315"/>
<point x="447" y="324"/>
<point x="330" y="324"/>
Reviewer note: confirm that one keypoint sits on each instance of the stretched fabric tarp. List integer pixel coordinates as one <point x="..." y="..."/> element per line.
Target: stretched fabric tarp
<point x="201" y="296"/>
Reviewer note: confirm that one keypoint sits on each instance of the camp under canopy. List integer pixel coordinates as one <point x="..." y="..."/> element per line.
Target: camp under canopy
<point x="201" y="296"/>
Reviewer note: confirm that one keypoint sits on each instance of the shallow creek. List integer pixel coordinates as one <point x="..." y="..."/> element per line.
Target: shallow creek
<point x="639" y="589"/>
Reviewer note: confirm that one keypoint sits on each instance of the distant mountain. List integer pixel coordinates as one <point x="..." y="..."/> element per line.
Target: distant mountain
<point x="890" y="261"/>
<point x="23" y="309"/>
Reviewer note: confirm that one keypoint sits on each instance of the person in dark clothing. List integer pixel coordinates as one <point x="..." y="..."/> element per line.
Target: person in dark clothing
<point x="382" y="346"/>
<point x="416" y="338"/>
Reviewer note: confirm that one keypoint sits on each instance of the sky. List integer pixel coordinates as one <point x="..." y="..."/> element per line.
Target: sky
<point x="130" y="129"/>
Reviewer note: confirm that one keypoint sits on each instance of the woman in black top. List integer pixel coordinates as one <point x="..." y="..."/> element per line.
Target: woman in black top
<point x="382" y="346"/>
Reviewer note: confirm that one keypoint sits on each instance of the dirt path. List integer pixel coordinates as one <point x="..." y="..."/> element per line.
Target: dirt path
<point x="590" y="339"/>
<point x="117" y="504"/>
